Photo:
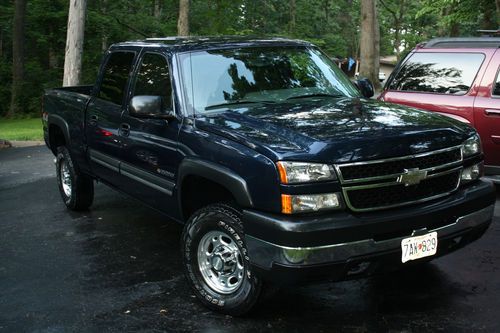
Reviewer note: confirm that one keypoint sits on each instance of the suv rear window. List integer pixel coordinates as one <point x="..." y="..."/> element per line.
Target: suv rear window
<point x="443" y="73"/>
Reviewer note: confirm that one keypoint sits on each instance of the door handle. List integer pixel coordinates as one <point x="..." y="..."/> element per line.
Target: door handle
<point x="124" y="129"/>
<point x="492" y="112"/>
<point x="93" y="119"/>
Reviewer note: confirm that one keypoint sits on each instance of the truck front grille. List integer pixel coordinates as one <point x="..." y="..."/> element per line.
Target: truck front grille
<point x="388" y="183"/>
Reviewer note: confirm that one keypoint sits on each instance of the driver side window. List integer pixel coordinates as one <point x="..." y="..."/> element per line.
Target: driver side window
<point x="153" y="78"/>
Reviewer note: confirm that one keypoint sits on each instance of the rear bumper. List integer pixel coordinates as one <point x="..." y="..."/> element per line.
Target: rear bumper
<point x="343" y="245"/>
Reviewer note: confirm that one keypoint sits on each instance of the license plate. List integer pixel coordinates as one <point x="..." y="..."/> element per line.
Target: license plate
<point x="419" y="247"/>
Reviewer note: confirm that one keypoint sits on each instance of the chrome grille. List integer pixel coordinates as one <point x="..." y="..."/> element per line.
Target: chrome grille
<point x="399" y="181"/>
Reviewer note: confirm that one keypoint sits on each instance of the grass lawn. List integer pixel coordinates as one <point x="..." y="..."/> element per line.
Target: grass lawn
<point x="21" y="129"/>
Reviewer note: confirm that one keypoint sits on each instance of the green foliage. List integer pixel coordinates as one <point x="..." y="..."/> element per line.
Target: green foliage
<point x="331" y="24"/>
<point x="21" y="129"/>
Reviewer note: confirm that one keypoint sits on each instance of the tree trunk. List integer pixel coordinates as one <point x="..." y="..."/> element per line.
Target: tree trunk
<point x="156" y="14"/>
<point x="293" y="16"/>
<point x="104" y="35"/>
<point x="326" y="7"/>
<point x="52" y="54"/>
<point x="52" y="58"/>
<point x="454" y="29"/>
<point x="376" y="41"/>
<point x="370" y="36"/>
<point x="183" y="22"/>
<point x="397" y="41"/>
<point x="74" y="43"/>
<point x="157" y="9"/>
<point x="497" y="2"/>
<point x="17" y="57"/>
<point x="351" y="37"/>
<point x="1" y="43"/>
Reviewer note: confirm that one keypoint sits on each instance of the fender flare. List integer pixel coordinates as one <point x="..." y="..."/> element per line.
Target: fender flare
<point x="61" y="123"/>
<point x="221" y="175"/>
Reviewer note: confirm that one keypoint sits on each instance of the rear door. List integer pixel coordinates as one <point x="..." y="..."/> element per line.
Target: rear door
<point x="104" y="113"/>
<point x="487" y="115"/>
<point x="150" y="156"/>
<point x="438" y="80"/>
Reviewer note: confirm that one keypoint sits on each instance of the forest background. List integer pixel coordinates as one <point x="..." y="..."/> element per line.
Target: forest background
<point x="33" y="32"/>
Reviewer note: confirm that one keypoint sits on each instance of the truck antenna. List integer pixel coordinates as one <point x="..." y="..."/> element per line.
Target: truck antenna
<point x="131" y="28"/>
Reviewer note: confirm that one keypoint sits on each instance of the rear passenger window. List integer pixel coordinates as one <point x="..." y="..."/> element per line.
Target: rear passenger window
<point x="444" y="73"/>
<point x="114" y="80"/>
<point x="153" y="78"/>
<point x="496" y="85"/>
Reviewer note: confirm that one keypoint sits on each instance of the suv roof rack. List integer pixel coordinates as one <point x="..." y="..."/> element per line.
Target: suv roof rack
<point x="464" y="42"/>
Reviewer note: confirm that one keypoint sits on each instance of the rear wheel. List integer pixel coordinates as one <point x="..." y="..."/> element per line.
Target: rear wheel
<point x="76" y="189"/>
<point x="216" y="260"/>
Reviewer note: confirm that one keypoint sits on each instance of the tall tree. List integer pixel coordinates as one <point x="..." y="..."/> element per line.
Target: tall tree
<point x="1" y="42"/>
<point x="293" y="17"/>
<point x="369" y="38"/>
<point x="74" y="42"/>
<point x="17" y="57"/>
<point x="497" y="3"/>
<point x="396" y="10"/>
<point x="183" y="21"/>
<point x="156" y="9"/>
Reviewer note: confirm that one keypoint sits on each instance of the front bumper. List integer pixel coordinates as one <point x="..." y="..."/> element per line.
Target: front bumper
<point x="343" y="245"/>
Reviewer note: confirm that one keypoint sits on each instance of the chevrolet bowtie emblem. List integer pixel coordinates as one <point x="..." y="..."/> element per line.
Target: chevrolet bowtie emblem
<point x="412" y="176"/>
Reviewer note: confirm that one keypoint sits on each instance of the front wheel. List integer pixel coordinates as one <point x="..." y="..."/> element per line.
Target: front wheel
<point x="216" y="260"/>
<point x="76" y="189"/>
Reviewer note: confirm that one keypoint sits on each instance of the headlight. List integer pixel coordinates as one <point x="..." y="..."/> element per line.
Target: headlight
<point x="472" y="146"/>
<point x="309" y="202"/>
<point x="471" y="173"/>
<point x="300" y="172"/>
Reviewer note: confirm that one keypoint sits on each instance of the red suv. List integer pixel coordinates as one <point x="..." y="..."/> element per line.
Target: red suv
<point x="458" y="77"/>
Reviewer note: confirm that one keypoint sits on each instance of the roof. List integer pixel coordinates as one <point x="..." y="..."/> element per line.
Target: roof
<point x="463" y="42"/>
<point x="209" y="42"/>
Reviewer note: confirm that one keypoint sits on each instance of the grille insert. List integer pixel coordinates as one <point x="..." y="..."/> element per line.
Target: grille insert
<point x="361" y="171"/>
<point x="375" y="185"/>
<point x="389" y="196"/>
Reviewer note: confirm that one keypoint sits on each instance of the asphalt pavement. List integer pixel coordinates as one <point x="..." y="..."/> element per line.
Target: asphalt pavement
<point x="117" y="268"/>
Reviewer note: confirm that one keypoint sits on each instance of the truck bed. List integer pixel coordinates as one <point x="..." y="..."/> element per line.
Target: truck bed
<point x="84" y="90"/>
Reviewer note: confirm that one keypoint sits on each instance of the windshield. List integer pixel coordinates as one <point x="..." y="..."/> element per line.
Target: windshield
<point x="229" y="77"/>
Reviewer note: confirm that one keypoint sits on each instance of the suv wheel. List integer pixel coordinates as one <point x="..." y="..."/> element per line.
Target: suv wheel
<point x="76" y="189"/>
<point x="216" y="260"/>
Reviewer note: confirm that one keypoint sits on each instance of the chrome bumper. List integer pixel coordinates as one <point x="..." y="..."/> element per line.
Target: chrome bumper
<point x="264" y="254"/>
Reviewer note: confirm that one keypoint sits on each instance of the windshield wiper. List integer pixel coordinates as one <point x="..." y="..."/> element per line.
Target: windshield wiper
<point x="216" y="106"/>
<point x="315" y="95"/>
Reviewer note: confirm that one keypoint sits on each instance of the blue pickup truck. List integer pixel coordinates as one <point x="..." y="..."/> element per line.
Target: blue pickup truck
<point x="280" y="168"/>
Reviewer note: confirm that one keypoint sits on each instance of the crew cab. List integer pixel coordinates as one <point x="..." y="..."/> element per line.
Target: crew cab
<point x="458" y="77"/>
<point x="279" y="167"/>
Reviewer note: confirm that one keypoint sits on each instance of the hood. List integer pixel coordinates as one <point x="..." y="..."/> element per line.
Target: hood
<point x="335" y="130"/>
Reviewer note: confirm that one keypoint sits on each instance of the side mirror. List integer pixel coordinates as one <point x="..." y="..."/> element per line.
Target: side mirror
<point x="149" y="107"/>
<point x="365" y="86"/>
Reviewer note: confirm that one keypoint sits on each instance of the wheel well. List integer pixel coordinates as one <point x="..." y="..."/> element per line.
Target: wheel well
<point x="198" y="192"/>
<point x="56" y="138"/>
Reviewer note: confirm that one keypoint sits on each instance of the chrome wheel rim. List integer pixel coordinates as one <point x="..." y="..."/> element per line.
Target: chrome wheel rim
<point x="220" y="262"/>
<point x="65" y="178"/>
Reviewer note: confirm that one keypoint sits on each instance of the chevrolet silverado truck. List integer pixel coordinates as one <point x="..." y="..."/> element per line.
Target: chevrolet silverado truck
<point x="280" y="168"/>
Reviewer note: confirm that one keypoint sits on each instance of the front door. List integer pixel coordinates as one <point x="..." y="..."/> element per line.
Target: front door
<point x="150" y="156"/>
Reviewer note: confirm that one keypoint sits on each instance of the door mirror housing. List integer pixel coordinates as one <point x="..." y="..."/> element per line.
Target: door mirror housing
<point x="149" y="107"/>
<point x="365" y="86"/>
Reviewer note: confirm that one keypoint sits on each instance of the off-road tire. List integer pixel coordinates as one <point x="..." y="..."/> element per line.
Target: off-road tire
<point x="81" y="186"/>
<point x="227" y="219"/>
